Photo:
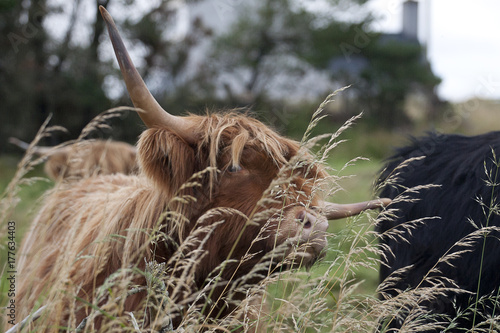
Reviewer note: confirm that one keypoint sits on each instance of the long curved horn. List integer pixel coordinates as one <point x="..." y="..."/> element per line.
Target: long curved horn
<point x="25" y="146"/>
<point x="21" y="144"/>
<point x="334" y="211"/>
<point x="153" y="114"/>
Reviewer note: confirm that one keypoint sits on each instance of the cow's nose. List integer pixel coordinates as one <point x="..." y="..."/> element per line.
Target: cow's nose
<point x="307" y="219"/>
<point x="313" y="229"/>
<point x="311" y="222"/>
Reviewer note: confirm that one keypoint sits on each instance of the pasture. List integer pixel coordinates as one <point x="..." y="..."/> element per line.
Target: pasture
<point x="288" y="284"/>
<point x="337" y="294"/>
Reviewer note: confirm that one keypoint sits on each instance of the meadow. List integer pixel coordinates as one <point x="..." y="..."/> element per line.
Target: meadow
<point x="337" y="294"/>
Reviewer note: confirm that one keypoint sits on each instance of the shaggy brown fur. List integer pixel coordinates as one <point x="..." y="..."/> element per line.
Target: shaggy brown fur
<point x="104" y="225"/>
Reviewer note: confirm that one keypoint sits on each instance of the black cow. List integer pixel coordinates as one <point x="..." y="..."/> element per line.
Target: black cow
<point x="446" y="218"/>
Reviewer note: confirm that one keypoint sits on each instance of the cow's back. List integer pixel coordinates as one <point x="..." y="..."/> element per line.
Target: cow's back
<point x="73" y="230"/>
<point x="458" y="166"/>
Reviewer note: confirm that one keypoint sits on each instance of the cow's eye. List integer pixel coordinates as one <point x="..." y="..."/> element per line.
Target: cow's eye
<point x="234" y="168"/>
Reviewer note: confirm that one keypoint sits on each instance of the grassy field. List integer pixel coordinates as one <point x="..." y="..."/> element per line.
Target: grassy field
<point x="355" y="185"/>
<point x="29" y="194"/>
<point x="356" y="178"/>
<point x="342" y="285"/>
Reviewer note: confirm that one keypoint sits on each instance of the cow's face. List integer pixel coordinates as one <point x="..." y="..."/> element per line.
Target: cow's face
<point x="255" y="172"/>
<point x="262" y="176"/>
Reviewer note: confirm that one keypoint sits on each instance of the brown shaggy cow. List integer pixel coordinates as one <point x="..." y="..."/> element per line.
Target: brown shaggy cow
<point x="86" y="158"/>
<point x="220" y="200"/>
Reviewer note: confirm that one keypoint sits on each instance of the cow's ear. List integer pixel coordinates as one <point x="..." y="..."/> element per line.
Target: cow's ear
<point x="57" y="165"/>
<point x="165" y="158"/>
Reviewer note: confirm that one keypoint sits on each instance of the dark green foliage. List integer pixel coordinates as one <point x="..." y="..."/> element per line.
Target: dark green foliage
<point x="42" y="75"/>
<point x="260" y="43"/>
<point x="395" y="69"/>
<point x="64" y="73"/>
<point x="383" y="69"/>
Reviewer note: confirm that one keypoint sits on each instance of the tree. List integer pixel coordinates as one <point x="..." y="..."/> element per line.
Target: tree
<point x="58" y="70"/>
<point x="260" y="49"/>
<point x="395" y="69"/>
<point x="265" y="60"/>
<point x="43" y="75"/>
<point x="383" y="69"/>
<point x="260" y="61"/>
<point x="275" y="43"/>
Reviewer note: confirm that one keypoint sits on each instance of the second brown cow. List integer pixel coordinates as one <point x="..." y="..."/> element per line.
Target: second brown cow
<point x="85" y="158"/>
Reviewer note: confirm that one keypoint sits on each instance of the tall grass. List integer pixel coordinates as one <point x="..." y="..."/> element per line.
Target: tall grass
<point x="327" y="297"/>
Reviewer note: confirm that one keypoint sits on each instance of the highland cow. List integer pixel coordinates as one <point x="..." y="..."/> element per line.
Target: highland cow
<point x="445" y="232"/>
<point x="85" y="158"/>
<point x="219" y="202"/>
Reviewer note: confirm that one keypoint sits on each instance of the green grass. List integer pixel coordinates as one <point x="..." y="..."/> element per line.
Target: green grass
<point x="29" y="194"/>
<point x="21" y="211"/>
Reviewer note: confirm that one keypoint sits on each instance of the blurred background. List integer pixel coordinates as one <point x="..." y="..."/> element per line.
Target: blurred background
<point x="411" y="66"/>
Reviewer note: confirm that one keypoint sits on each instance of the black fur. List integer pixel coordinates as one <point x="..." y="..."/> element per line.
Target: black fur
<point x="458" y="164"/>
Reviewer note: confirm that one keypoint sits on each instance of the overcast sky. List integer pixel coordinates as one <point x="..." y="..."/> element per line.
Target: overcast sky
<point x="463" y="42"/>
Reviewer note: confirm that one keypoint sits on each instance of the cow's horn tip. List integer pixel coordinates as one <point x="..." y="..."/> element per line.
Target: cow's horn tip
<point x="384" y="202"/>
